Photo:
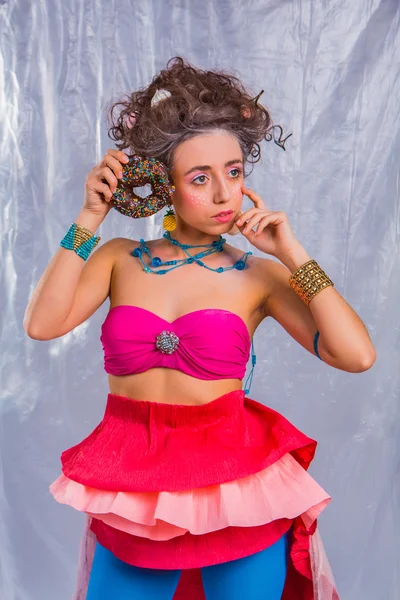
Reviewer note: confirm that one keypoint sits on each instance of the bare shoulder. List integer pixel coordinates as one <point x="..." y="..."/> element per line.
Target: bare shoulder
<point x="103" y="260"/>
<point x="274" y="279"/>
<point x="117" y="243"/>
<point x="114" y="247"/>
<point x="274" y="270"/>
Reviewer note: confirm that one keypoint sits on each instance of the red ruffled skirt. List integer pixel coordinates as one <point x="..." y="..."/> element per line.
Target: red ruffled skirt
<point x="183" y="487"/>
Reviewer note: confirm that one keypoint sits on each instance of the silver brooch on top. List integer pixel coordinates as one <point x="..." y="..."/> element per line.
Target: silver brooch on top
<point x="167" y="342"/>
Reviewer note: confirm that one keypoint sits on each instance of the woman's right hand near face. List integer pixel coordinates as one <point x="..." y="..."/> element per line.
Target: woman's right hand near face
<point x="102" y="181"/>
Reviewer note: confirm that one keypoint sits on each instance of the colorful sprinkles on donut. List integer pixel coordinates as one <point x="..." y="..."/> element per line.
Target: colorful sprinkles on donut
<point x="138" y="172"/>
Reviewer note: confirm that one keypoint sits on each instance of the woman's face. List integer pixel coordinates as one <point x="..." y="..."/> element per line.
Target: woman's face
<point x="208" y="179"/>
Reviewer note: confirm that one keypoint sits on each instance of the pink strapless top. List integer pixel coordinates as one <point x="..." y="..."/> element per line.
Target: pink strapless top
<point x="209" y="343"/>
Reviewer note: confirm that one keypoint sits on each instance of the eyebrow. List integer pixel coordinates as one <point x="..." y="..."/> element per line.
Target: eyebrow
<point x="208" y="168"/>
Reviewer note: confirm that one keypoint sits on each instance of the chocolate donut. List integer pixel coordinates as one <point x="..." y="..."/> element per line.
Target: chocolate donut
<point x="138" y="172"/>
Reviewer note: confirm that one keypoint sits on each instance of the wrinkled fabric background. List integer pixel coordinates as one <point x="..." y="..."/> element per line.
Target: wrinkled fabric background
<point x="330" y="71"/>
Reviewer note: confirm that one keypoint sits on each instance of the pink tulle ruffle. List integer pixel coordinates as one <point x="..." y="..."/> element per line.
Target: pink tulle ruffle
<point x="282" y="490"/>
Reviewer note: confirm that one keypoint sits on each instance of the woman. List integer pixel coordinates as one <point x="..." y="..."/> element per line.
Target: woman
<point x="192" y="489"/>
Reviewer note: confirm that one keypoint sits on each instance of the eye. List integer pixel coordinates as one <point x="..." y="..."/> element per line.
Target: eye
<point x="235" y="173"/>
<point x="200" y="180"/>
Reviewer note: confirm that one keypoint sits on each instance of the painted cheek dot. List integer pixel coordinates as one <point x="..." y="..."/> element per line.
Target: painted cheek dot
<point x="197" y="199"/>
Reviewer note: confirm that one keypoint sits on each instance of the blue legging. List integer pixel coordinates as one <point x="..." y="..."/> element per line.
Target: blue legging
<point x="259" y="576"/>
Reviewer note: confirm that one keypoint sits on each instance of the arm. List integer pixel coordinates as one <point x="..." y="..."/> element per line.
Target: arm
<point x="344" y="342"/>
<point x="70" y="290"/>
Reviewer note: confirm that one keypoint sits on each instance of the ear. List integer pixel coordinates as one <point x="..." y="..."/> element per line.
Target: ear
<point x="171" y="180"/>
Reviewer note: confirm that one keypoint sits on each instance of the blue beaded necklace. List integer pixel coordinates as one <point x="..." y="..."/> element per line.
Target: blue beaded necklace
<point x="215" y="246"/>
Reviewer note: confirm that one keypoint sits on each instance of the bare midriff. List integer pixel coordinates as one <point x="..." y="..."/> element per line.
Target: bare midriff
<point x="169" y="386"/>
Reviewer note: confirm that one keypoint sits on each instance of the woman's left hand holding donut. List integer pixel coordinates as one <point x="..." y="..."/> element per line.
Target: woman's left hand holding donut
<point x="273" y="234"/>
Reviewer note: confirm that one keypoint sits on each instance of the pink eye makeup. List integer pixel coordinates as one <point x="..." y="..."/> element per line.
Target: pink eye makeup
<point x="201" y="179"/>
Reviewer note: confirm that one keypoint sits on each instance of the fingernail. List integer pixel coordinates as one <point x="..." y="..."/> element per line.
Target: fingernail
<point x="120" y="175"/>
<point x="126" y="158"/>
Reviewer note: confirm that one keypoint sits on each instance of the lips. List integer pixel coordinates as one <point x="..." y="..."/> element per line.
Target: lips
<point x="225" y="217"/>
<point x="224" y="213"/>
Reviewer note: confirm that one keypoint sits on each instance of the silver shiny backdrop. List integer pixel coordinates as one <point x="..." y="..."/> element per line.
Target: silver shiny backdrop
<point x="330" y="71"/>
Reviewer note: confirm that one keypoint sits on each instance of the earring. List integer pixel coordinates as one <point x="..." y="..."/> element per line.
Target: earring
<point x="169" y="221"/>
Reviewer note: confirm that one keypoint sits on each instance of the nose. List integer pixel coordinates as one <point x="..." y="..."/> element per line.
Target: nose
<point x="222" y="192"/>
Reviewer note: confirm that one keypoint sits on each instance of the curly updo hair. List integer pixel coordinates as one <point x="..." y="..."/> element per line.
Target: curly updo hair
<point x="193" y="101"/>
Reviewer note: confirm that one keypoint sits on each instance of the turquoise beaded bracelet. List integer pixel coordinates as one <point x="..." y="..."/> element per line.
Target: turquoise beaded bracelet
<point x="80" y="239"/>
